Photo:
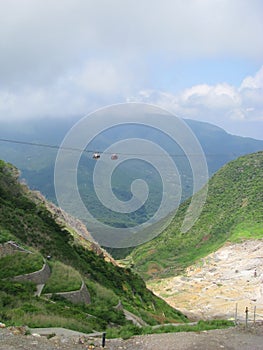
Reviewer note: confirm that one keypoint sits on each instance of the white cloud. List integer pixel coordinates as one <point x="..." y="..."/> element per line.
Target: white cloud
<point x="251" y="92"/>
<point x="70" y="56"/>
<point x="101" y="77"/>
<point x="40" y="40"/>
<point x="220" y="96"/>
<point x="54" y="101"/>
<point x="255" y="82"/>
<point x="78" y="92"/>
<point x="222" y="104"/>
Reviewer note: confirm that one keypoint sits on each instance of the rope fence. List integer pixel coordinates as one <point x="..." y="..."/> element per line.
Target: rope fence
<point x="248" y="315"/>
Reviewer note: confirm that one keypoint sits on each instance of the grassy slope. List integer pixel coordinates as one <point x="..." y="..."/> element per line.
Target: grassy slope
<point x="20" y="263"/>
<point x="33" y="225"/>
<point x="233" y="211"/>
<point x="63" y="278"/>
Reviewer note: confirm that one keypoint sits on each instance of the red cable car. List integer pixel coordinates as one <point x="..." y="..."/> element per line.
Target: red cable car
<point x="114" y="157"/>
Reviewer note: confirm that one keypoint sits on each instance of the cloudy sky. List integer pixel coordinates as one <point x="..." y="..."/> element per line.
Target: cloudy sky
<point x="200" y="59"/>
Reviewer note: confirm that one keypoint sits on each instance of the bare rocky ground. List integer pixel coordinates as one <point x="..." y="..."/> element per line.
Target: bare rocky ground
<point x="238" y="338"/>
<point x="213" y="287"/>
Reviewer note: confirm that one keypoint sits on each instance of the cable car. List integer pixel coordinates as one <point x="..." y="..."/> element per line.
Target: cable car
<point x="96" y="156"/>
<point x="114" y="157"/>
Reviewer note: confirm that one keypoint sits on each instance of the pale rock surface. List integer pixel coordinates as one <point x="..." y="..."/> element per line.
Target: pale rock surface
<point x="213" y="287"/>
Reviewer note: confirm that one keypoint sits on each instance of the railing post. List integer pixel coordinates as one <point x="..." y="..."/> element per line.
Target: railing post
<point x="246" y="311"/>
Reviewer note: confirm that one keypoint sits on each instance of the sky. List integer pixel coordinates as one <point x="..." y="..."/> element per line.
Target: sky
<point x="199" y="59"/>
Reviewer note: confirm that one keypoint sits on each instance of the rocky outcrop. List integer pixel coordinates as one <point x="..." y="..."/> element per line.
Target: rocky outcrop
<point x="82" y="235"/>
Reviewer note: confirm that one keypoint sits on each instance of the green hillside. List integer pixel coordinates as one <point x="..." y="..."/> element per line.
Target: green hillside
<point x="233" y="211"/>
<point x="32" y="226"/>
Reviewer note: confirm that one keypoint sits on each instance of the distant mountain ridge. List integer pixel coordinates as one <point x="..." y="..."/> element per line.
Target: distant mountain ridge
<point x="217" y="143"/>
<point x="37" y="163"/>
<point x="213" y="139"/>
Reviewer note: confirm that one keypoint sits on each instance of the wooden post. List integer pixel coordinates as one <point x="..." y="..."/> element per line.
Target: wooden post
<point x="255" y="314"/>
<point x="246" y="311"/>
<point x="103" y="339"/>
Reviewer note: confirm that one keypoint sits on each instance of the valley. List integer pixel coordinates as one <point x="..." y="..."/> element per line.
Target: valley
<point x="37" y="163"/>
<point x="202" y="274"/>
<point x="131" y="175"/>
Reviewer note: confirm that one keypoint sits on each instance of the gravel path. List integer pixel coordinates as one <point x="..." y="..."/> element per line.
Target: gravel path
<point x="228" y="339"/>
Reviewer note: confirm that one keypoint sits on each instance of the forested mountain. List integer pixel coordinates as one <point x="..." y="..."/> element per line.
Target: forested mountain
<point x="233" y="211"/>
<point x="37" y="162"/>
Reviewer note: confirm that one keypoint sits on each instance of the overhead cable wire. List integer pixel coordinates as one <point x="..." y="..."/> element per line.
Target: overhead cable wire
<point x="46" y="145"/>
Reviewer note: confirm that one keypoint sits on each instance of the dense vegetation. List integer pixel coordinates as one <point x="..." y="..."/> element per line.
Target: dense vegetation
<point x="33" y="226"/>
<point x="232" y="212"/>
<point x="63" y="278"/>
<point x="19" y="307"/>
<point x="127" y="331"/>
<point x="19" y="264"/>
